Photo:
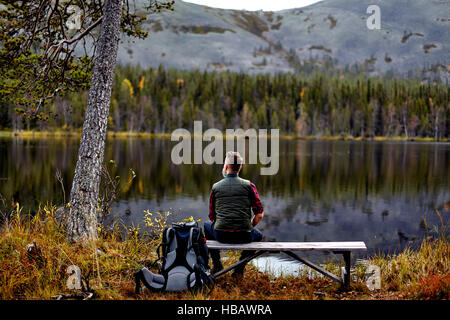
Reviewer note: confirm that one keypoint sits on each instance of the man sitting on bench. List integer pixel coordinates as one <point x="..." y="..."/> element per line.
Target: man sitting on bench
<point x="231" y="203"/>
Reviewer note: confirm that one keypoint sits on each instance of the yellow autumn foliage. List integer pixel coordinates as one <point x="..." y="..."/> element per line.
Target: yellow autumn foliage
<point x="141" y="83"/>
<point x="130" y="86"/>
<point x="302" y="93"/>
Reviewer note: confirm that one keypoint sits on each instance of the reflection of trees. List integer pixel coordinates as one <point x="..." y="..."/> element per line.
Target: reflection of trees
<point x="322" y="171"/>
<point x="334" y="171"/>
<point x="30" y="166"/>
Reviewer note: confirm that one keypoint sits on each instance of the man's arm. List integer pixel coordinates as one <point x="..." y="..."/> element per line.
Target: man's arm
<point x="257" y="218"/>
<point x="257" y="207"/>
<point x="212" y="207"/>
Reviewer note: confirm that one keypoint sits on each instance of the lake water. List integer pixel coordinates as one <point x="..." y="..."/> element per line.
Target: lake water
<point x="377" y="192"/>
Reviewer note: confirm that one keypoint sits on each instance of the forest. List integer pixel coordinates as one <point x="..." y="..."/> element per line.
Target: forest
<point x="341" y="103"/>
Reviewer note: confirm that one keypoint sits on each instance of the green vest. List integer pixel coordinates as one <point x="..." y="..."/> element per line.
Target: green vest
<point x="232" y="204"/>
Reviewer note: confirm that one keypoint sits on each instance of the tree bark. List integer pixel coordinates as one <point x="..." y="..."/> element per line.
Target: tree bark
<point x="82" y="219"/>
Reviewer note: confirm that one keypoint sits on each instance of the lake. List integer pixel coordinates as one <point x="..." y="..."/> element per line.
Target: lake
<point x="377" y="192"/>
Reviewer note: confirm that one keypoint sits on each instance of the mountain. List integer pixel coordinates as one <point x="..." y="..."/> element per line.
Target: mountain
<point x="414" y="34"/>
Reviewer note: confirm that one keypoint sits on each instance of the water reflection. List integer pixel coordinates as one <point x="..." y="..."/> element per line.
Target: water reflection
<point x="324" y="190"/>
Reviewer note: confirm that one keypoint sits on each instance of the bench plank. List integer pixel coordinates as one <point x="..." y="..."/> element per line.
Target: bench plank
<point x="287" y="246"/>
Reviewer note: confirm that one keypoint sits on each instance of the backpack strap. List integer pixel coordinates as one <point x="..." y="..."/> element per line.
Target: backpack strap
<point x="163" y="245"/>
<point x="193" y="241"/>
<point x="192" y="233"/>
<point x="199" y="246"/>
<point x="167" y="239"/>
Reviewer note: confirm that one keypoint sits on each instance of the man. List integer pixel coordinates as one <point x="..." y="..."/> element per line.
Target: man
<point x="231" y="203"/>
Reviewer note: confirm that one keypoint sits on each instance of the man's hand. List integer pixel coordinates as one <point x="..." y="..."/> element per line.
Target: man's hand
<point x="257" y="218"/>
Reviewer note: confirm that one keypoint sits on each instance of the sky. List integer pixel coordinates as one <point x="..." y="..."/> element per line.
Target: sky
<point x="266" y="5"/>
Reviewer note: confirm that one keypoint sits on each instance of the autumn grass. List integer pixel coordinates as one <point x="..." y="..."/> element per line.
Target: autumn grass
<point x="420" y="274"/>
<point x="44" y="275"/>
<point x="53" y="134"/>
<point x="376" y="138"/>
<point x="60" y="133"/>
<point x="108" y="264"/>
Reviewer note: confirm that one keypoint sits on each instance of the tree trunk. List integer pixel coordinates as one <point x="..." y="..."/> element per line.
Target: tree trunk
<point x="82" y="220"/>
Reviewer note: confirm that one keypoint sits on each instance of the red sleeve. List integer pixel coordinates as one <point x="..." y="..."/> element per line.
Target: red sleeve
<point x="255" y="201"/>
<point x="212" y="207"/>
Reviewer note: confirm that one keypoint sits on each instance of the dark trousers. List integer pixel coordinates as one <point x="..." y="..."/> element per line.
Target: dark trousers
<point x="230" y="237"/>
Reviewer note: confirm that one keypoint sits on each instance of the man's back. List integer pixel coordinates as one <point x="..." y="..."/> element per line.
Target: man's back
<point x="232" y="197"/>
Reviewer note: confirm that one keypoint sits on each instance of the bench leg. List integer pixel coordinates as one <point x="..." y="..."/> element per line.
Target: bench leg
<point x="243" y="261"/>
<point x="347" y="260"/>
<point x="345" y="282"/>
<point x="313" y="266"/>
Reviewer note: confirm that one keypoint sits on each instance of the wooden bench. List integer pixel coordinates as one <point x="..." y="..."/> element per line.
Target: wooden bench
<point x="345" y="248"/>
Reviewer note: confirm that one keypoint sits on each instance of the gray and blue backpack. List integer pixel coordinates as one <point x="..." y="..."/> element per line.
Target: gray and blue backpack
<point x="184" y="260"/>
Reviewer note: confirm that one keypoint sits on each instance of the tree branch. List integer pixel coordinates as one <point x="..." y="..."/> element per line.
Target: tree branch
<point x="71" y="41"/>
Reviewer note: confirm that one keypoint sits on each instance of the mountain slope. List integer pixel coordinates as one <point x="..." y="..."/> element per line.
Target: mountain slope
<point x="414" y="34"/>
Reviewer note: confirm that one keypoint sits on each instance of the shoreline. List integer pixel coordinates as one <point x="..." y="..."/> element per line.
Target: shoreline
<point x="110" y="262"/>
<point x="60" y="134"/>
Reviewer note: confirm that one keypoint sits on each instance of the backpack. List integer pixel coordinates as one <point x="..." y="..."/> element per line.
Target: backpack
<point x="184" y="259"/>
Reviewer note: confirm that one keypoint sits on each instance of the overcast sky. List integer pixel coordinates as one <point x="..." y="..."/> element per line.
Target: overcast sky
<point x="267" y="5"/>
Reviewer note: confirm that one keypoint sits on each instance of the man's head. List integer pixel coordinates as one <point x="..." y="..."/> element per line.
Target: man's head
<point x="233" y="163"/>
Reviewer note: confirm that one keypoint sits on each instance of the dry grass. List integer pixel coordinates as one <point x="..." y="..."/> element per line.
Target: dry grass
<point x="60" y="133"/>
<point x="418" y="274"/>
<point x="109" y="263"/>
